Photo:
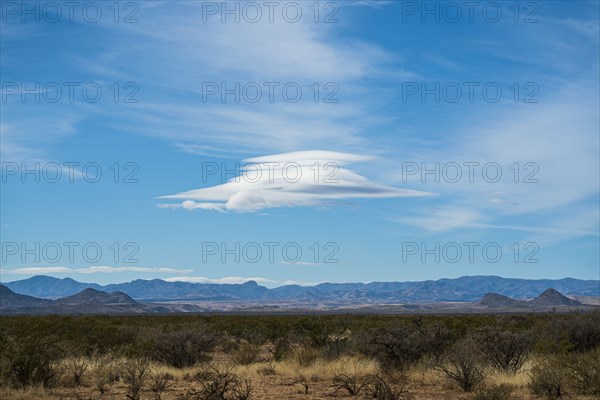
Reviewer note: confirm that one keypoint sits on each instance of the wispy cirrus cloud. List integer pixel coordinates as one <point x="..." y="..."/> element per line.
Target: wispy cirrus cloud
<point x="92" y="270"/>
<point x="240" y="280"/>
<point x="296" y="179"/>
<point x="37" y="270"/>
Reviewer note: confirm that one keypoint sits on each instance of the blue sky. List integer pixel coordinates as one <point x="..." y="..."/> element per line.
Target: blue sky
<point x="403" y="87"/>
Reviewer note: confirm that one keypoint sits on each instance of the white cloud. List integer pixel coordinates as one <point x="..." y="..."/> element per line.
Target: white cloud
<point x="92" y="270"/>
<point x="38" y="270"/>
<point x="240" y="280"/>
<point x="559" y="136"/>
<point x="303" y="178"/>
<point x="444" y="219"/>
<point x="107" y="269"/>
<point x="227" y="279"/>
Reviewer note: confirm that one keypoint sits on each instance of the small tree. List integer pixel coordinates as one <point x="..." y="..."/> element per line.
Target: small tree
<point x="184" y="347"/>
<point x="462" y="364"/>
<point x="506" y="351"/>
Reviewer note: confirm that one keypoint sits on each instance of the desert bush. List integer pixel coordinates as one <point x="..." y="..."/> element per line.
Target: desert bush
<point x="104" y="373"/>
<point x="28" y="362"/>
<point x="549" y="377"/>
<point x="243" y="389"/>
<point x="333" y="345"/>
<point x="158" y="382"/>
<point x="134" y="372"/>
<point x="281" y="348"/>
<point x="221" y="383"/>
<point x="576" y="333"/>
<point x="75" y="367"/>
<point x="401" y="346"/>
<point x="462" y="363"/>
<point x="494" y="392"/>
<point x="302" y="381"/>
<point x="351" y="383"/>
<point x="246" y="354"/>
<point x="267" y="370"/>
<point x="384" y="387"/>
<point x="583" y="372"/>
<point x="506" y="351"/>
<point x="184" y="347"/>
<point x="303" y="354"/>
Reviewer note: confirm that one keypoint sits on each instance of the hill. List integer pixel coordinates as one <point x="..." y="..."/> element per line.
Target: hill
<point x="553" y="298"/>
<point x="548" y="298"/>
<point x="88" y="301"/>
<point x="93" y="296"/>
<point x="10" y="299"/>
<point x="497" y="300"/>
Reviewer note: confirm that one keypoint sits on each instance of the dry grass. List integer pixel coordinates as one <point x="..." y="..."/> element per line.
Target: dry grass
<point x="289" y="381"/>
<point x="36" y="392"/>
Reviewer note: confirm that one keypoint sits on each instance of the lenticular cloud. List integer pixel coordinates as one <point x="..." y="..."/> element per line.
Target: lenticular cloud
<point x="295" y="179"/>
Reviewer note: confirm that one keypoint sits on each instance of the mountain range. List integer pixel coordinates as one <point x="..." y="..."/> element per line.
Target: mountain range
<point x="92" y="301"/>
<point x="463" y="289"/>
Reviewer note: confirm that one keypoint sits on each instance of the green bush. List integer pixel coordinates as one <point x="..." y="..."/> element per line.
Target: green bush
<point x="27" y="362"/>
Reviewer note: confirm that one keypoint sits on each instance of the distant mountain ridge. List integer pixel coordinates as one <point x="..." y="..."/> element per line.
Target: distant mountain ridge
<point x="10" y="299"/>
<point x="88" y="301"/>
<point x="463" y="289"/>
<point x="91" y="301"/>
<point x="548" y="298"/>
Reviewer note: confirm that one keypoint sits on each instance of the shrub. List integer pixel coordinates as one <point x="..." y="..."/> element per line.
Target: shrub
<point x="105" y="373"/>
<point x="184" y="347"/>
<point x="506" y="351"/>
<point x="576" y="333"/>
<point x="158" y="382"/>
<point x="335" y="344"/>
<point x="28" y="362"/>
<point x="246" y="354"/>
<point x="494" y="392"/>
<point x="583" y="372"/>
<point x="267" y="370"/>
<point x="404" y="345"/>
<point x="303" y="354"/>
<point x="281" y="348"/>
<point x="242" y="390"/>
<point x="462" y="364"/>
<point x="351" y="383"/>
<point x="303" y="381"/>
<point x="134" y="373"/>
<point x="549" y="377"/>
<point x="383" y="387"/>
<point x="221" y="384"/>
<point x="75" y="367"/>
